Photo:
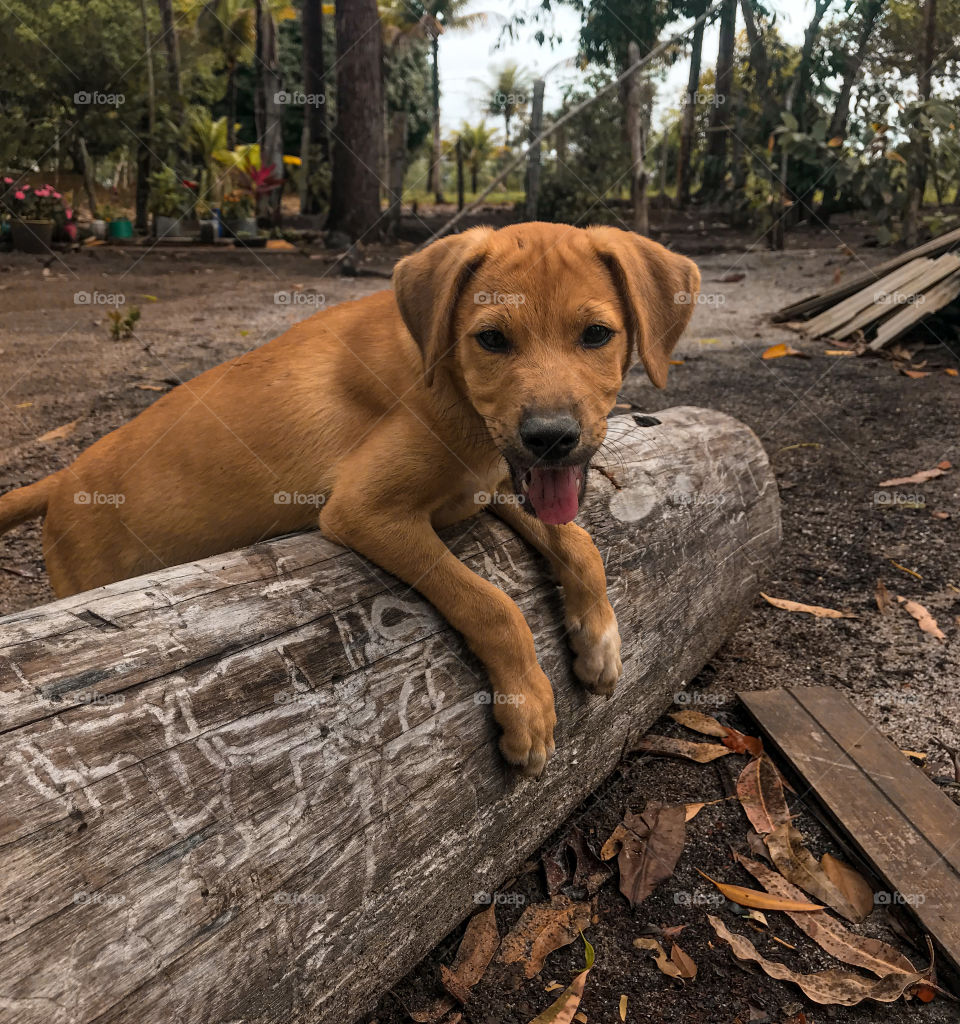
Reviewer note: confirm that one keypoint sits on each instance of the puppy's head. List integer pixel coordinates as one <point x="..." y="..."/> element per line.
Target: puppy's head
<point x="535" y="325"/>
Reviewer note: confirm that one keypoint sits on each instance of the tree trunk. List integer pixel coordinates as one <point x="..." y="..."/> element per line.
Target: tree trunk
<point x="145" y="142"/>
<point x="806" y="58"/>
<point x="459" y="154"/>
<point x="534" y="154"/>
<point x="838" y="122"/>
<point x="315" y="144"/>
<point x="436" y="171"/>
<point x="760" y="62"/>
<point x="715" y="161"/>
<point x="637" y="137"/>
<point x="917" y="172"/>
<point x="89" y="177"/>
<point x="397" y="156"/>
<point x="173" y="52"/>
<point x="262" y="786"/>
<point x="267" y="108"/>
<point x="689" y="118"/>
<point x="232" y="105"/>
<point x="355" y="198"/>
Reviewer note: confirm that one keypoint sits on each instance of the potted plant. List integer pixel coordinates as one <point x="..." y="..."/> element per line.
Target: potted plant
<point x="238" y="213"/>
<point x="34" y="214"/>
<point x="119" y="226"/>
<point x="170" y="199"/>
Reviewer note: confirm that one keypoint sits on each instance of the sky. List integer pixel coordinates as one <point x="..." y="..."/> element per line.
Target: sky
<point x="466" y="57"/>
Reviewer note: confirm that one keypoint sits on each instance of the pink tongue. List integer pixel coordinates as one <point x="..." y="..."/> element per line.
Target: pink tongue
<point x="555" y="493"/>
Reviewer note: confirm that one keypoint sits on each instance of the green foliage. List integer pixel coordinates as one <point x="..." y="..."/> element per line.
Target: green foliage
<point x="122" y="323"/>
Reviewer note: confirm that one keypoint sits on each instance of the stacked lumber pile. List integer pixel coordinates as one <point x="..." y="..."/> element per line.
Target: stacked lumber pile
<point x="880" y="305"/>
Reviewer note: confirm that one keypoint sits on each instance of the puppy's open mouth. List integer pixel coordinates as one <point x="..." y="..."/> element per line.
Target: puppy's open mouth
<point x="553" y="493"/>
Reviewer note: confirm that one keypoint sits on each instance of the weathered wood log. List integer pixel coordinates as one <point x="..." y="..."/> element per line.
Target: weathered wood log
<point x="261" y="786"/>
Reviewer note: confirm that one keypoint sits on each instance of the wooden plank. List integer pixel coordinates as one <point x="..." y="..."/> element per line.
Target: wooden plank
<point x="271" y="783"/>
<point x="899" y="295"/>
<point x="906" y="828"/>
<point x="834" y="317"/>
<point x="927" y="303"/>
<point x="813" y="304"/>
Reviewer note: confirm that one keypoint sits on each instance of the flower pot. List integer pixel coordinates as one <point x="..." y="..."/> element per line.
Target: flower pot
<point x="99" y="229"/>
<point x="120" y="228"/>
<point x="209" y="230"/>
<point x="32" y="235"/>
<point x="237" y="226"/>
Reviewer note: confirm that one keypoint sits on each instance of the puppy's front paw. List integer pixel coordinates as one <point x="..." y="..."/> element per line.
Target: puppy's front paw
<point x="595" y="640"/>
<point x="527" y="717"/>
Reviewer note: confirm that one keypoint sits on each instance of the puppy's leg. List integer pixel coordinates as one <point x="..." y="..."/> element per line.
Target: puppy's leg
<point x="406" y="545"/>
<point x="578" y="568"/>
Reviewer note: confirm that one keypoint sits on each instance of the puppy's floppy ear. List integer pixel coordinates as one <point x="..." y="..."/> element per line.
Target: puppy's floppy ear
<point x="429" y="283"/>
<point x="658" y="289"/>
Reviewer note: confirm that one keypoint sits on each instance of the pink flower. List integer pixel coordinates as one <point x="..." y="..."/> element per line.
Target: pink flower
<point x="8" y="181"/>
<point x="56" y="195"/>
<point x="19" y="195"/>
<point x="42" y="193"/>
<point x="69" y="213"/>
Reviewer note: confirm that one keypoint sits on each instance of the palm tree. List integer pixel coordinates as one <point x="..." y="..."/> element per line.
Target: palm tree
<point x="432" y="18"/>
<point x="478" y="145"/>
<point x="508" y="94"/>
<point x="231" y="26"/>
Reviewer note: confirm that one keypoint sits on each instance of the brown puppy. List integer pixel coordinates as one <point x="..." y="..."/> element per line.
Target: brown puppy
<point x="491" y="368"/>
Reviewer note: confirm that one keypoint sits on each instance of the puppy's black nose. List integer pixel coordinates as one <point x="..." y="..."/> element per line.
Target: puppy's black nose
<point x="550" y="436"/>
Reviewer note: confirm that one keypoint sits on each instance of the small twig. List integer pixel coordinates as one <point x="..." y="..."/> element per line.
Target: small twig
<point x="18" y="572"/>
<point x="954" y="756"/>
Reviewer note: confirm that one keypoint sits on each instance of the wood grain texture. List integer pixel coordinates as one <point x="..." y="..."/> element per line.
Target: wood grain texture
<point x="905" y="827"/>
<point x="261" y="786"/>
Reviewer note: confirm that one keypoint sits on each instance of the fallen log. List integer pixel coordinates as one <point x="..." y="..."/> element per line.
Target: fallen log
<point x="261" y="786"/>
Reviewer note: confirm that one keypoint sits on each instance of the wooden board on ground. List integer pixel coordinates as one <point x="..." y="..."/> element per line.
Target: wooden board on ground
<point x="906" y="828"/>
<point x="813" y="304"/>
<point x="262" y="786"/>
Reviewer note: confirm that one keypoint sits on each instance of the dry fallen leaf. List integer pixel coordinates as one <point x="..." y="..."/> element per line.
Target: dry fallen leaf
<point x="915" y="374"/>
<point x="699" y="722"/>
<point x="799" y="866"/>
<point x="783" y="349"/>
<point x="58" y="433"/>
<point x="759" y="900"/>
<point x="851" y="883"/>
<point x="810" y="609"/>
<point x="692" y="810"/>
<point x="924" y="619"/>
<point x="479" y="943"/>
<point x="623" y="1007"/>
<point x="700" y="752"/>
<point x="150" y="387"/>
<point x="677" y="965"/>
<point x="872" y="955"/>
<point x="740" y="743"/>
<point x="563" y="1010"/>
<point x="940" y="514"/>
<point x="839" y="352"/>
<point x="542" y="928"/>
<point x="833" y="987"/>
<point x="760" y="792"/>
<point x="920" y="477"/>
<point x="884" y="600"/>
<point x="951" y="372"/>
<point x="649" y="846"/>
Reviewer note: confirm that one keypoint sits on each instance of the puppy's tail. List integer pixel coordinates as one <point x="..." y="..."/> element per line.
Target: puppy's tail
<point x="24" y="503"/>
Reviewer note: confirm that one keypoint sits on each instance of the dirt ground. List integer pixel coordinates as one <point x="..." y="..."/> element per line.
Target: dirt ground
<point x="834" y="428"/>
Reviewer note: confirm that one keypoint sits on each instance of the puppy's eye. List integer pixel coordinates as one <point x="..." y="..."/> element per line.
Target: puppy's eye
<point x="493" y="341"/>
<point x="596" y="336"/>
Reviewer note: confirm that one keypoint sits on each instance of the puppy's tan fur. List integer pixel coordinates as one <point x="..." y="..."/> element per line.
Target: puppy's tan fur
<point x="391" y="411"/>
